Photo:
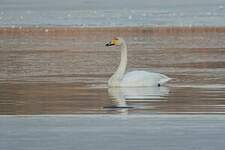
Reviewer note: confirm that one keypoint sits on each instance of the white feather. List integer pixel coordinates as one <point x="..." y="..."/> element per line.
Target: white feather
<point x="142" y="79"/>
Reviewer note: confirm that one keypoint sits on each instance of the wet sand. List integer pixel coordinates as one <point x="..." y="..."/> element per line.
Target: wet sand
<point x="62" y="70"/>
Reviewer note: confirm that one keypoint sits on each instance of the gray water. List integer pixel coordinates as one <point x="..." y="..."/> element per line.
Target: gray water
<point x="112" y="13"/>
<point x="157" y="132"/>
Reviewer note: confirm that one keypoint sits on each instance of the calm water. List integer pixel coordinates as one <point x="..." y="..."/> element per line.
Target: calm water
<point x="112" y="13"/>
<point x="66" y="72"/>
<point x="57" y="132"/>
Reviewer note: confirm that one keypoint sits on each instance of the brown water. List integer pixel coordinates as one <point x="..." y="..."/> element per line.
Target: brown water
<point x="65" y="70"/>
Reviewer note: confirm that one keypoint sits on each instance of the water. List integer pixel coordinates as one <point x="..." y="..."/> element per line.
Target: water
<point x="65" y="71"/>
<point x="112" y="13"/>
<point x="171" y="132"/>
<point x="54" y="69"/>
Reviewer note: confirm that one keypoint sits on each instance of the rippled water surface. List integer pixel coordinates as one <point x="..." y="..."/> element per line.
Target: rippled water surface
<point x="65" y="71"/>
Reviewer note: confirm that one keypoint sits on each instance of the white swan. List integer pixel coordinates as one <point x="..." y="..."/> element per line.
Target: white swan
<point x="133" y="78"/>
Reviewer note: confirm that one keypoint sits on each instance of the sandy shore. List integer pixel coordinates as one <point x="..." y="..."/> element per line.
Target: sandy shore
<point x="117" y="30"/>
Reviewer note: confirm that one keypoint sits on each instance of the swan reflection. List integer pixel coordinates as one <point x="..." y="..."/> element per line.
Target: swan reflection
<point x="120" y="96"/>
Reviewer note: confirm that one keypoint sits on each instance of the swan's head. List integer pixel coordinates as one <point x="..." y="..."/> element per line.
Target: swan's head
<point x="117" y="41"/>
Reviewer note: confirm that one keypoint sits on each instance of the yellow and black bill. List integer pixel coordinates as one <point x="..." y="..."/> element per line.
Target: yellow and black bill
<point x="115" y="41"/>
<point x="109" y="44"/>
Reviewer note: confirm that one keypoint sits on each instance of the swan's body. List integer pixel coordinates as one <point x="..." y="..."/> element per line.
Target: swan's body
<point x="143" y="78"/>
<point x="133" y="78"/>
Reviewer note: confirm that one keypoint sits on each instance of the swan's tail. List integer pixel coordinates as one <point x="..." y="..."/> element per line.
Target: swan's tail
<point x="164" y="79"/>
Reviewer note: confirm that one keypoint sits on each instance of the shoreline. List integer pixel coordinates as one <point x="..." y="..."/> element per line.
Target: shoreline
<point x="117" y="116"/>
<point x="135" y="30"/>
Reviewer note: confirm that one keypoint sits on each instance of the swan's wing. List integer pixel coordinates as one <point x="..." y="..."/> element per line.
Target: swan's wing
<point x="143" y="78"/>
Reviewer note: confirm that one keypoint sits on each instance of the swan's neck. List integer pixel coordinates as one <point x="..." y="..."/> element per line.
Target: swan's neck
<point x="118" y="75"/>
